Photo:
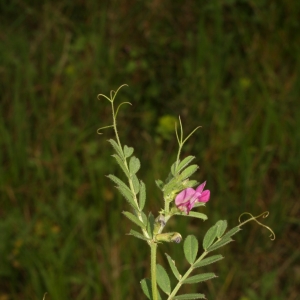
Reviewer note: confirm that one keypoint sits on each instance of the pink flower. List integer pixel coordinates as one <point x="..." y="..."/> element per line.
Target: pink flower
<point x="187" y="198"/>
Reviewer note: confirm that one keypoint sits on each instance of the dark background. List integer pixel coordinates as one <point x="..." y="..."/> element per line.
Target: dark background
<point x="231" y="66"/>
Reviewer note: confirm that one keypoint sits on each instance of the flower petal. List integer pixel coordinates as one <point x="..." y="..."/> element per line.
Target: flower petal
<point x="184" y="196"/>
<point x="204" y="196"/>
<point x="200" y="188"/>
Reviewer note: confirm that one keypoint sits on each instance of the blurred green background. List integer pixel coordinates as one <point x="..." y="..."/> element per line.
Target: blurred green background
<point x="232" y="66"/>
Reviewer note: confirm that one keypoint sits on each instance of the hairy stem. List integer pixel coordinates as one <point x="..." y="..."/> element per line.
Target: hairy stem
<point x="153" y="247"/>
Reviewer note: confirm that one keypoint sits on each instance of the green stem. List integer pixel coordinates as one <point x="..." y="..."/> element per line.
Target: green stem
<point x="153" y="247"/>
<point x="126" y="165"/>
<point x="185" y="276"/>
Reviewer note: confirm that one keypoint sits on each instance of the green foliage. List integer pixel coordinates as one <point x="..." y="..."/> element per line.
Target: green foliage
<point x="134" y="165"/>
<point x="150" y="224"/>
<point x="134" y="219"/>
<point x="138" y="235"/>
<point x="124" y="190"/>
<point x="210" y="236"/>
<point x="117" y="148"/>
<point x="128" y="151"/>
<point x="190" y="247"/>
<point x="173" y="267"/>
<point x="146" y="287"/>
<point x="222" y="225"/>
<point x="194" y="215"/>
<point x="142" y="196"/>
<point x="208" y="261"/>
<point x="177" y="167"/>
<point x="199" y="278"/>
<point x="163" y="279"/>
<point x="121" y="164"/>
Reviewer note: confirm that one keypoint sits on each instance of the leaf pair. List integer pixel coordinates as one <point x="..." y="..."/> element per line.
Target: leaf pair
<point x="125" y="191"/>
<point x="217" y="232"/>
<point x="146" y="224"/>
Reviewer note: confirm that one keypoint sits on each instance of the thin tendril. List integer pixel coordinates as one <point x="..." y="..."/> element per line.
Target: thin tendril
<point x="264" y="215"/>
<point x="191" y="134"/>
<point x="176" y="132"/>
<point x="181" y="142"/>
<point x="120" y="106"/>
<point x="181" y="130"/>
<point x="116" y="92"/>
<point x="111" y="94"/>
<point x="101" y="95"/>
<point x="99" y="129"/>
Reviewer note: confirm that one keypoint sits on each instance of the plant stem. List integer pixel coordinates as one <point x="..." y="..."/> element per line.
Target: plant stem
<point x="126" y="166"/>
<point x="153" y="247"/>
<point x="185" y="276"/>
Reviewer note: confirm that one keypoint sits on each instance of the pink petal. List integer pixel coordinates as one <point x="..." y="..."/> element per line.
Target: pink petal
<point x="204" y="196"/>
<point x="200" y="188"/>
<point x="190" y="206"/>
<point x="184" y="196"/>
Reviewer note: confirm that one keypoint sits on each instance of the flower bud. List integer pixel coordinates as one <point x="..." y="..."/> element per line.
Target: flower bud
<point x="169" y="237"/>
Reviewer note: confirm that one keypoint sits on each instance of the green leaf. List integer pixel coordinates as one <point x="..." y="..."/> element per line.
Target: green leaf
<point x="134" y="165"/>
<point x="121" y="164"/>
<point x="190" y="183"/>
<point x="142" y="197"/>
<point x="137" y="235"/>
<point x="197" y="215"/>
<point x="184" y="163"/>
<point x="144" y="217"/>
<point x="189" y="296"/>
<point x="190" y="248"/>
<point x="210" y="236"/>
<point x="208" y="261"/>
<point x="128" y="151"/>
<point x="135" y="183"/>
<point x="173" y="267"/>
<point x="128" y="196"/>
<point x="222" y="225"/>
<point x="118" y="181"/>
<point x="150" y="224"/>
<point x="146" y="287"/>
<point x="163" y="279"/>
<point x="134" y="219"/>
<point x="117" y="148"/>
<point x="124" y="189"/>
<point x="188" y="172"/>
<point x="171" y="186"/>
<point x="231" y="232"/>
<point x="160" y="184"/>
<point x="199" y="278"/>
<point x="219" y="244"/>
<point x="173" y="168"/>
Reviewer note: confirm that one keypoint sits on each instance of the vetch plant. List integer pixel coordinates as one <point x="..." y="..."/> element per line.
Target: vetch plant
<point x="179" y="198"/>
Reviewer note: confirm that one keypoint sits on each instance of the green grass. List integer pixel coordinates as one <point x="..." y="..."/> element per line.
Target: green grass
<point x="230" y="66"/>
